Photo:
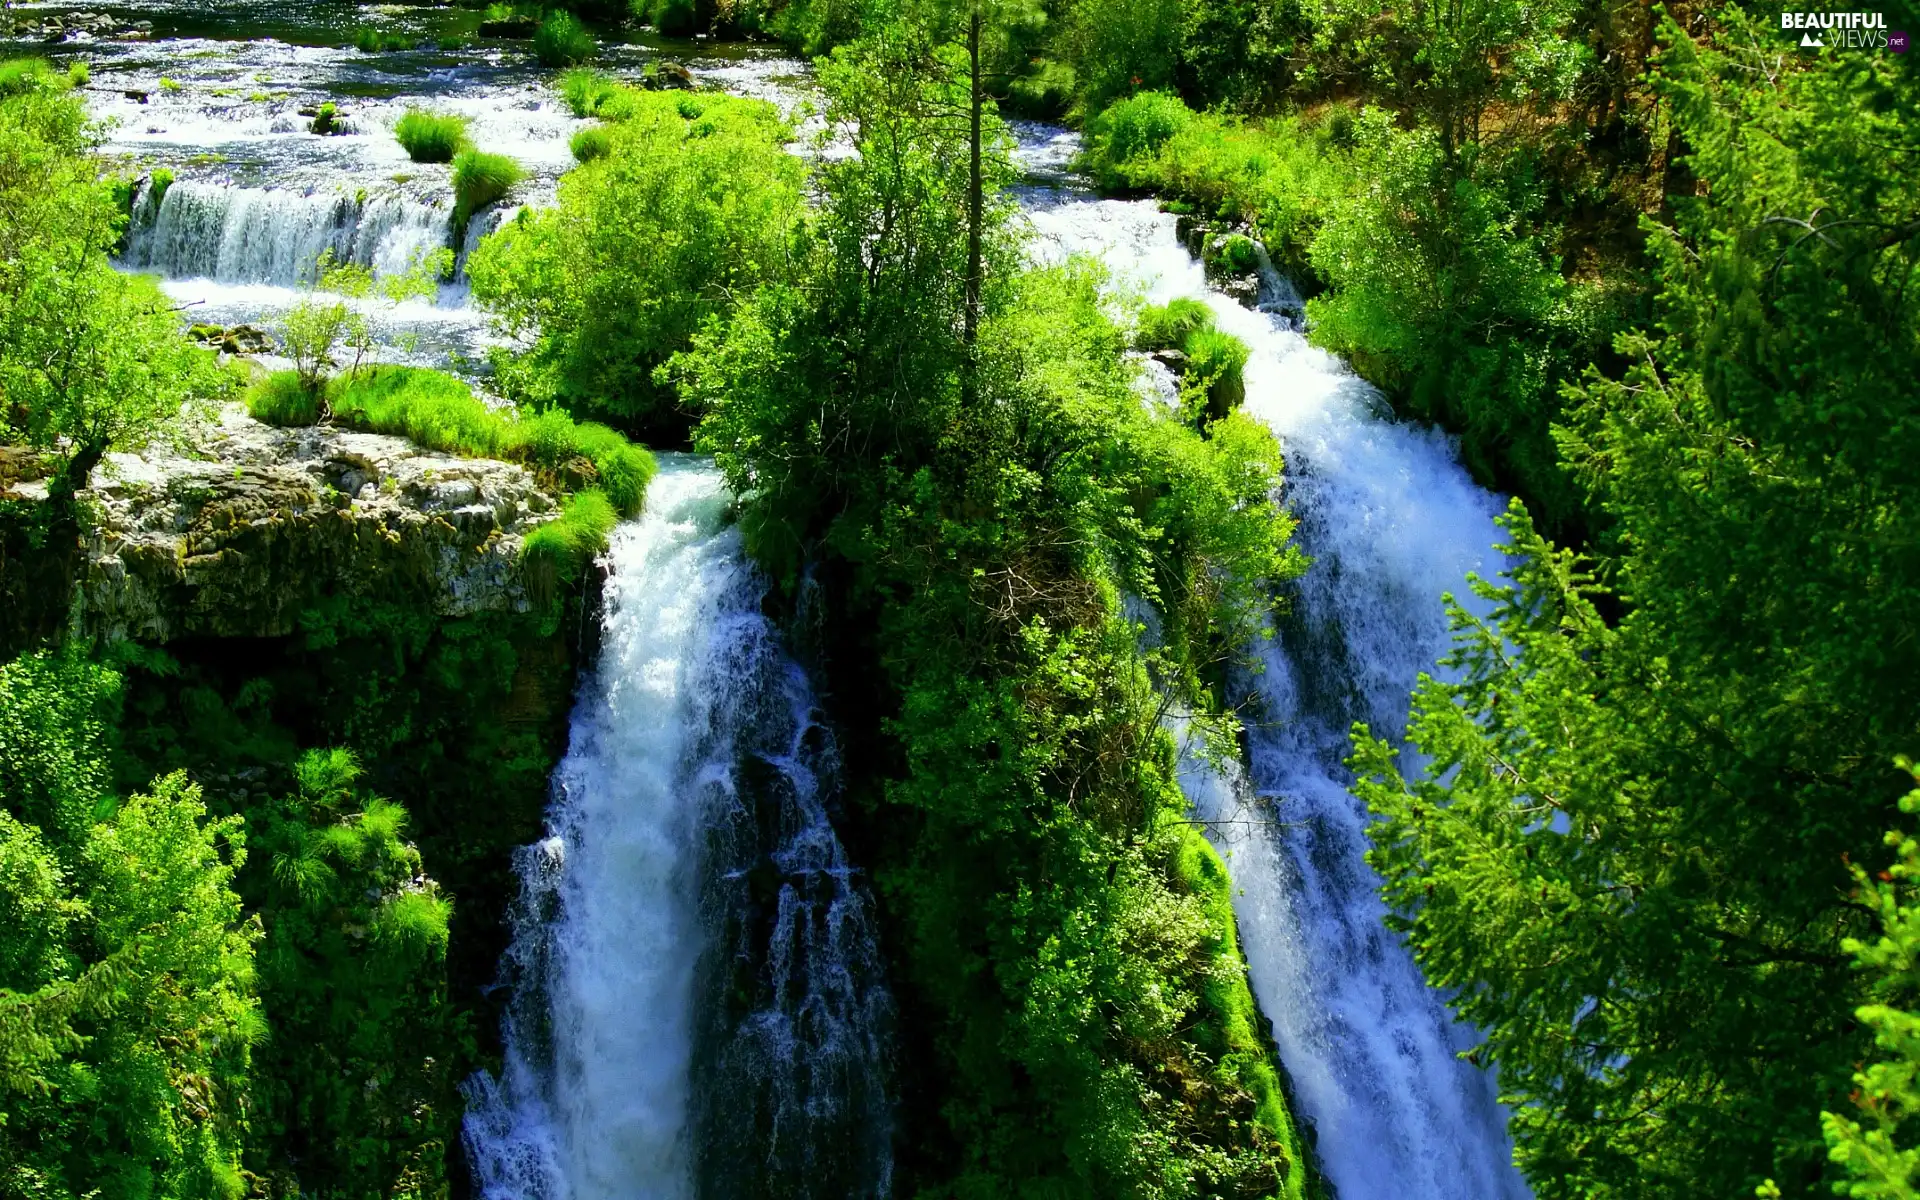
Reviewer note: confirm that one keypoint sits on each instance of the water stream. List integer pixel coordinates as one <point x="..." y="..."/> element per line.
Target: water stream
<point x="697" y="1000"/>
<point x="1392" y="522"/>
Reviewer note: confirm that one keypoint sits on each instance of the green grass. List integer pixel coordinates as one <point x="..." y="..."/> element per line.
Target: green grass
<point x="586" y="89"/>
<point x="430" y="136"/>
<point x="19" y="75"/>
<point x="440" y="412"/>
<point x="590" y="143"/>
<point x="562" y="548"/>
<point x="278" y="399"/>
<point x="562" y="41"/>
<point x="169" y="85"/>
<point x="1167" y="326"/>
<point x="1214" y="382"/>
<point x="479" y="179"/>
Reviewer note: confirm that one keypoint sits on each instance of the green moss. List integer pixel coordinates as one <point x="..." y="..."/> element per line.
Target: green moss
<point x="431" y="136"/>
<point x="1230" y="1030"/>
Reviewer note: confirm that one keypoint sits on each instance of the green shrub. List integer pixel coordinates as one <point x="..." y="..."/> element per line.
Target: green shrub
<point x="1235" y="254"/>
<point x="479" y="179"/>
<point x="19" y="75"/>
<point x="1134" y="128"/>
<point x="431" y="137"/>
<point x="639" y="253"/>
<point x="1167" y="326"/>
<point x="560" y="550"/>
<point x="562" y="41"/>
<point x="325" y="119"/>
<point x="1213" y="383"/>
<point x="278" y="399"/>
<point x="586" y="89"/>
<point x="79" y="73"/>
<point x="590" y="143"/>
<point x="451" y="42"/>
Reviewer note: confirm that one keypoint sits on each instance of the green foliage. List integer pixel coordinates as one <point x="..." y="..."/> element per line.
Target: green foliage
<point x="431" y="137"/>
<point x="280" y="399"/>
<point x="22" y="75"/>
<point x="590" y="143"/>
<point x="369" y="40"/>
<point x="92" y="359"/>
<point x="1282" y="175"/>
<point x="1659" y="813"/>
<point x="562" y="41"/>
<point x="586" y="89"/>
<point x="325" y="119"/>
<point x="675" y="18"/>
<point x="559" y="551"/>
<point x="1211" y="381"/>
<point x="692" y="207"/>
<point x="439" y="411"/>
<point x="126" y="1010"/>
<point x="479" y="179"/>
<point x="1063" y="953"/>
<point x="1167" y="326"/>
<point x="353" y="984"/>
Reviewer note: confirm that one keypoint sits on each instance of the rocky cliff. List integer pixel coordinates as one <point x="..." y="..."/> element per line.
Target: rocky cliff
<point x="247" y="526"/>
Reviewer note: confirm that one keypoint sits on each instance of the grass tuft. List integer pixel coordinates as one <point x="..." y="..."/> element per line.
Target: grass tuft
<point x="586" y="89"/>
<point x="278" y="399"/>
<point x="479" y="179"/>
<point x="562" y="548"/>
<point x="590" y="143"/>
<point x="562" y="41"/>
<point x="431" y="137"/>
<point x="1167" y="326"/>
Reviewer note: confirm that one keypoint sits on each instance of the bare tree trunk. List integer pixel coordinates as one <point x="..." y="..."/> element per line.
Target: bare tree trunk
<point x="970" y="330"/>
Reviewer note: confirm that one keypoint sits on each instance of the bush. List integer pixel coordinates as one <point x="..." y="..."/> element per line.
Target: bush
<point x="431" y="137"/>
<point x="1213" y="384"/>
<point x="562" y="41"/>
<point x="278" y="399"/>
<point x="1234" y="255"/>
<point x="19" y="75"/>
<point x="643" y="248"/>
<point x="1134" y="128"/>
<point x="586" y="89"/>
<point x="590" y="143"/>
<point x="675" y="18"/>
<point x="479" y="179"/>
<point x="1167" y="326"/>
<point x="326" y="119"/>
<point x="561" y="549"/>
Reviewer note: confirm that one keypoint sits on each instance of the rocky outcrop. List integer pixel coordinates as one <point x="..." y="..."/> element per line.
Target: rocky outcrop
<point x="253" y="526"/>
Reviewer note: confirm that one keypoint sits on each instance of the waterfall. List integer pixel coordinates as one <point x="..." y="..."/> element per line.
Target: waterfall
<point x="254" y="235"/>
<point x="1392" y="522"/>
<point x="697" y="1006"/>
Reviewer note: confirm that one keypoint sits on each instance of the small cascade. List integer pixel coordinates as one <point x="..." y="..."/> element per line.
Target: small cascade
<point x="1392" y="522"/>
<point x="254" y="235"/>
<point x="697" y="1006"/>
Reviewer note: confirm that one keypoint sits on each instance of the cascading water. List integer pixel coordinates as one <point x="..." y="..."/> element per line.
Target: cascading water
<point x="254" y="235"/>
<point x="697" y="999"/>
<point x="1392" y="522"/>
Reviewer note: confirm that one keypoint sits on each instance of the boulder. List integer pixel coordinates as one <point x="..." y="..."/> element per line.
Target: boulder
<point x="250" y="525"/>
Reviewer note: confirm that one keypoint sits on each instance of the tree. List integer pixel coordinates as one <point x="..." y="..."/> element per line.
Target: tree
<point x="91" y="360"/>
<point x="1627" y="856"/>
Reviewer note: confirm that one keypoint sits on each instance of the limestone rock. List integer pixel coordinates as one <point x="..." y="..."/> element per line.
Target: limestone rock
<point x="256" y="524"/>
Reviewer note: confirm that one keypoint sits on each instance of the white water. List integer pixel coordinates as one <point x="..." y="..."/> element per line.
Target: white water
<point x="693" y="965"/>
<point x="1392" y="522"/>
<point x="255" y="235"/>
